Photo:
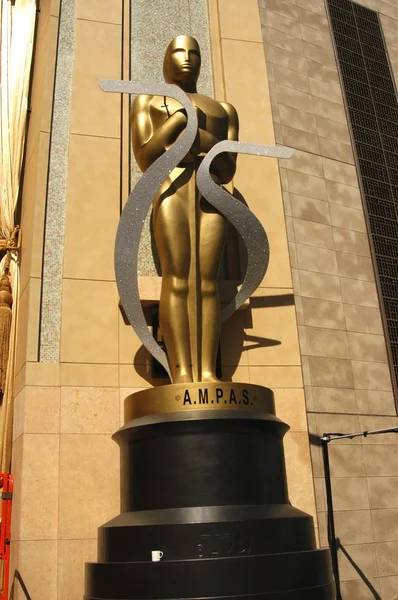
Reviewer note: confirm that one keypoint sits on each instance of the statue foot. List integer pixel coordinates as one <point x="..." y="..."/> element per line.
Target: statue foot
<point x="182" y="378"/>
<point x="207" y="377"/>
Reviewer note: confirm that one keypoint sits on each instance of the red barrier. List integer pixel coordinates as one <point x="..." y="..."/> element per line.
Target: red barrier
<point x="7" y="485"/>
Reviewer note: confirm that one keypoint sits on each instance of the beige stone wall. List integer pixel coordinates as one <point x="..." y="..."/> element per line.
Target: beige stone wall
<point x="347" y="380"/>
<point x="65" y="463"/>
<point x="267" y="331"/>
<point x="33" y="453"/>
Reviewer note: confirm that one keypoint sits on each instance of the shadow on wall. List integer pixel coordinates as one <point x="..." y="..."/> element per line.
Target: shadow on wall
<point x="143" y="359"/>
<point x="316" y="441"/>
<point x="359" y="571"/>
<point x="244" y="341"/>
<point x="18" y="577"/>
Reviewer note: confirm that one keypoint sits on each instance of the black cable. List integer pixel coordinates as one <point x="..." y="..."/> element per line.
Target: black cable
<point x="166" y="107"/>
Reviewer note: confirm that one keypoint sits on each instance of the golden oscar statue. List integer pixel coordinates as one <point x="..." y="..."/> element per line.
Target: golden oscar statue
<point x="205" y="511"/>
<point x="189" y="232"/>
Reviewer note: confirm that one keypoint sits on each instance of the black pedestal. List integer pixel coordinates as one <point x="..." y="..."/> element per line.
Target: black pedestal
<point x="208" y="489"/>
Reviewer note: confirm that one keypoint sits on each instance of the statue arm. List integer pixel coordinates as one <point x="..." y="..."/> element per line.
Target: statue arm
<point x="150" y="144"/>
<point x="225" y="164"/>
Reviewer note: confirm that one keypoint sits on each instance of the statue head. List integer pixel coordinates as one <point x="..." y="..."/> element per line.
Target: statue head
<point x="182" y="60"/>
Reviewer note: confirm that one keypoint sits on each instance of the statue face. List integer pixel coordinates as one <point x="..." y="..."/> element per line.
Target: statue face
<point x="182" y="60"/>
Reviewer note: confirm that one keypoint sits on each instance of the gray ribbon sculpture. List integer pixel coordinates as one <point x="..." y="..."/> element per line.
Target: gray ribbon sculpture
<point x="140" y="200"/>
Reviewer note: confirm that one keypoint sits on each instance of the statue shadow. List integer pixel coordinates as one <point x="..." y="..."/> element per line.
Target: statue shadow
<point x="145" y="368"/>
<point x="235" y="339"/>
<point x="240" y="339"/>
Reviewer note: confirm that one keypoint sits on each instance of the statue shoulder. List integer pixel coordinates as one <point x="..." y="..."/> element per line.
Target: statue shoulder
<point x="140" y="104"/>
<point x="230" y="110"/>
<point x="233" y="121"/>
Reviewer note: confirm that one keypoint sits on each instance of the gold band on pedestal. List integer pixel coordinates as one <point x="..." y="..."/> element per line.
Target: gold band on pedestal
<point x="204" y="396"/>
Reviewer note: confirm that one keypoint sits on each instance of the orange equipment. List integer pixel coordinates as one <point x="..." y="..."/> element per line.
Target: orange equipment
<point x="7" y="485"/>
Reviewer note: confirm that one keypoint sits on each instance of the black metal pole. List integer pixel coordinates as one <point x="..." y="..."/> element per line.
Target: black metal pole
<point x="330" y="516"/>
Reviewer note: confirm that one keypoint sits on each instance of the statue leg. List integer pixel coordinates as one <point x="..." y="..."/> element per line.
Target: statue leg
<point x="212" y="239"/>
<point x="171" y="231"/>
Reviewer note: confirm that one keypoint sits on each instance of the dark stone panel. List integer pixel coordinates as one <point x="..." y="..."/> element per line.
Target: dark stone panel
<point x="373" y="111"/>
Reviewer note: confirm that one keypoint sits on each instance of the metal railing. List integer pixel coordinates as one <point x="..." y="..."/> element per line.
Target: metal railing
<point x="333" y="541"/>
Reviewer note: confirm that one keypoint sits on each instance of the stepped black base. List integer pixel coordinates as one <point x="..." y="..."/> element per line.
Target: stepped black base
<point x="208" y="489"/>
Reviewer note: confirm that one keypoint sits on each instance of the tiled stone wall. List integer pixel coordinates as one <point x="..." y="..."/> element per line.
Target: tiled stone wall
<point x="35" y="454"/>
<point x="347" y="379"/>
<point x="65" y="464"/>
<point x="260" y="345"/>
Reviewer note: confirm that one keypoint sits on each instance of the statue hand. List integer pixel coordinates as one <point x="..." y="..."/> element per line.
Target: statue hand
<point x="172" y="128"/>
<point x="207" y="141"/>
<point x="179" y="116"/>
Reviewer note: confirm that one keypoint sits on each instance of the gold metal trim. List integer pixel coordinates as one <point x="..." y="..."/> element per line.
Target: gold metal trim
<point x="204" y="396"/>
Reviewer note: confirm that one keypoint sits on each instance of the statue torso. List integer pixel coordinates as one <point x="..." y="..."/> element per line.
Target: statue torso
<point x="212" y="116"/>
